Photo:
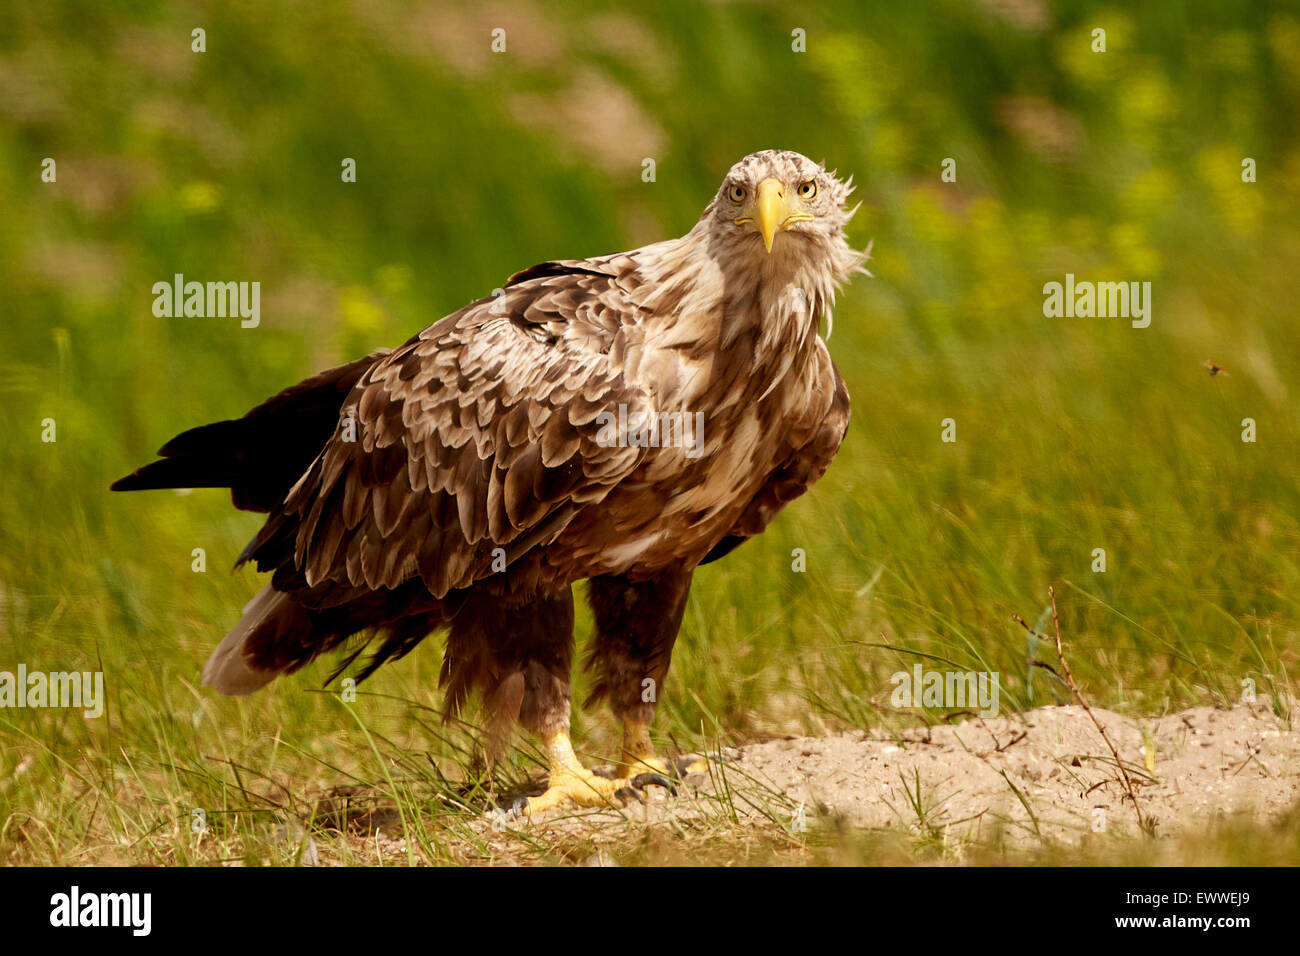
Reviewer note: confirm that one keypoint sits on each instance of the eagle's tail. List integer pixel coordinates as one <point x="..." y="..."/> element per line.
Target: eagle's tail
<point x="270" y="619"/>
<point x="203" y="457"/>
<point x="279" y="633"/>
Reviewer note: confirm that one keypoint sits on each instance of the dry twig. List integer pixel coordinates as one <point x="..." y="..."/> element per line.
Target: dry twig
<point x="1143" y="824"/>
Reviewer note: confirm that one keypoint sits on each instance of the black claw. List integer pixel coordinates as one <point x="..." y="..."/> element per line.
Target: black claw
<point x="631" y="791"/>
<point x="657" y="779"/>
<point x="519" y="806"/>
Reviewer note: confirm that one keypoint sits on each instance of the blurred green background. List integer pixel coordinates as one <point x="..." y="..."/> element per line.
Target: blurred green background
<point x="1072" y="434"/>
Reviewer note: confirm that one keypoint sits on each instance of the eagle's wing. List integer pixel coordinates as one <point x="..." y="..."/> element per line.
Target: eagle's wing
<point x="478" y="434"/>
<point x="806" y="459"/>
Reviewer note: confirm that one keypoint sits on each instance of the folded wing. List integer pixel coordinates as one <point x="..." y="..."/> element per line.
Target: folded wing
<point x="474" y="441"/>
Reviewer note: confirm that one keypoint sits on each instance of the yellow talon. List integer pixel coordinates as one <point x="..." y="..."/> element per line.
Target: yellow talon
<point x="573" y="784"/>
<point x="639" y="755"/>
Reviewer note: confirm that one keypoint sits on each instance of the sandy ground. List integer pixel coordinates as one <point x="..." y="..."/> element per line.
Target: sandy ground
<point x="1043" y="775"/>
<point x="1186" y="768"/>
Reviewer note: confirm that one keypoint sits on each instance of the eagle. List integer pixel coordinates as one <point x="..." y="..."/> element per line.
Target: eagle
<point x="618" y="420"/>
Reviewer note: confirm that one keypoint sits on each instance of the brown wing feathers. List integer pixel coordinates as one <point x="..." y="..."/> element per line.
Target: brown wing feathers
<point x="478" y="434"/>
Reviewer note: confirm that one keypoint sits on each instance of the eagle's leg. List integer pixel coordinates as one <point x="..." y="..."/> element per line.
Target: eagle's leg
<point x="638" y="751"/>
<point x="519" y="652"/>
<point x="636" y="626"/>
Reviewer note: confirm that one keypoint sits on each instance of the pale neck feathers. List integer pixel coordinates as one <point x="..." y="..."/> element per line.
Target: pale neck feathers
<point x="711" y="295"/>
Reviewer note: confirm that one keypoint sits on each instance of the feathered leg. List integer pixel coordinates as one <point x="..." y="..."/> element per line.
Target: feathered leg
<point x="636" y="626"/>
<point x="519" y="655"/>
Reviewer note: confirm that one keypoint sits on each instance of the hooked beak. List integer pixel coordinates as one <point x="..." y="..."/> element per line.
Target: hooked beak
<point x="774" y="212"/>
<point x="769" y="204"/>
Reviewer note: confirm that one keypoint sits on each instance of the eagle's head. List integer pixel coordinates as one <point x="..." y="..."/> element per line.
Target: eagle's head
<point x="779" y="198"/>
<point x="768" y="251"/>
<point x="775" y="227"/>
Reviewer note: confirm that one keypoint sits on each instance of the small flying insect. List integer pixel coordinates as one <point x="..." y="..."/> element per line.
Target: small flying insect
<point x="1214" y="367"/>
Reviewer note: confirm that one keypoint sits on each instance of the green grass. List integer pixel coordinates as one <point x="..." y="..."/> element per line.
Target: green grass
<point x="1072" y="434"/>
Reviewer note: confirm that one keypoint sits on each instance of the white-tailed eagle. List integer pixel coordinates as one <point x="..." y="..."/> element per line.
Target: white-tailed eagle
<point x="619" y="420"/>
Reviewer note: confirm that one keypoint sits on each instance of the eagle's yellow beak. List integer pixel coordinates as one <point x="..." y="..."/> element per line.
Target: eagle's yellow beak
<point x="769" y="205"/>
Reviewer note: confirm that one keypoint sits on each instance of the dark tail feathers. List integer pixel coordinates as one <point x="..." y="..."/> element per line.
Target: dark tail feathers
<point x="260" y="456"/>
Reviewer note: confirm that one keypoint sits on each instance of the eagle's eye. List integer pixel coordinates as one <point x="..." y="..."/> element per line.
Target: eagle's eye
<point x="736" y="193"/>
<point x="807" y="191"/>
